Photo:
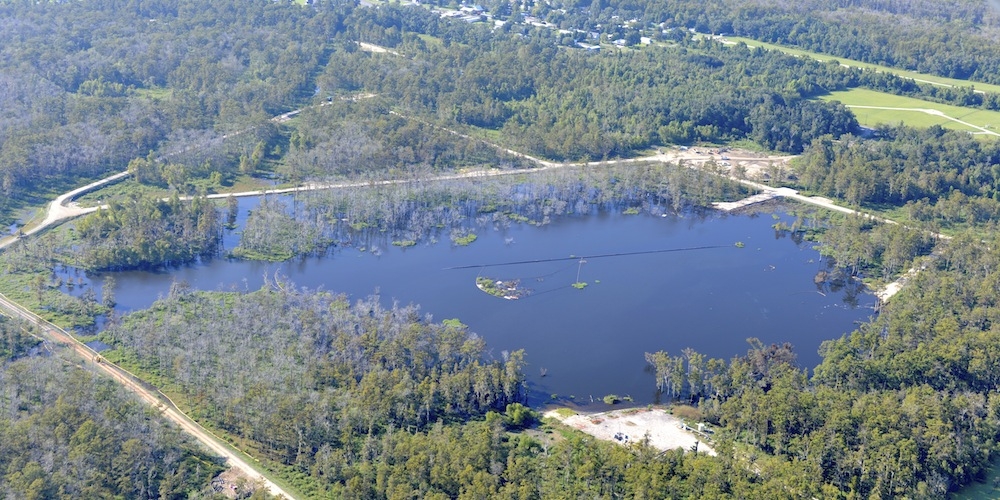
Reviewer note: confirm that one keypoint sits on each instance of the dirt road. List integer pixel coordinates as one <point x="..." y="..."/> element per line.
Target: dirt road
<point x="63" y="208"/>
<point x="58" y="337"/>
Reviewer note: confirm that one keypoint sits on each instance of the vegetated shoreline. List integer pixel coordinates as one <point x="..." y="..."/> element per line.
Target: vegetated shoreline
<point x="405" y="214"/>
<point x="604" y="428"/>
<point x="839" y="382"/>
<point x="493" y="287"/>
<point x="499" y="204"/>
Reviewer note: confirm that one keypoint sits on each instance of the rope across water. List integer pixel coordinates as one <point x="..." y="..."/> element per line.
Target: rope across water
<point x="578" y="257"/>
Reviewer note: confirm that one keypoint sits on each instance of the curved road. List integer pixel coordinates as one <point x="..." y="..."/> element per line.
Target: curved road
<point x="63" y="208"/>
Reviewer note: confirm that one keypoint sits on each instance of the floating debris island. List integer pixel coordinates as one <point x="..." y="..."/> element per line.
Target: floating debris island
<point x="505" y="289"/>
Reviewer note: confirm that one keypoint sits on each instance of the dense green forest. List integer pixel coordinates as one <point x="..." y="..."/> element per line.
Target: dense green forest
<point x="571" y="104"/>
<point x="144" y="233"/>
<point x="310" y="380"/>
<point x="906" y="166"/>
<point x="860" y="246"/>
<point x="369" y="400"/>
<point x="96" y="102"/>
<point x="205" y="112"/>
<point x="955" y="38"/>
<point x="90" y="86"/>
<point x="66" y="433"/>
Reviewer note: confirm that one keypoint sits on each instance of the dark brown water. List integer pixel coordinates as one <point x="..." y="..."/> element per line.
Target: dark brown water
<point x="590" y="342"/>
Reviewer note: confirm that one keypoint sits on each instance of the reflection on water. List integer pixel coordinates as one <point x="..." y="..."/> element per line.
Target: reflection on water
<point x="587" y="342"/>
<point x="987" y="489"/>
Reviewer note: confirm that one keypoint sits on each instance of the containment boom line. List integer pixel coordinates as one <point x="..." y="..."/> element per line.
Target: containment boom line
<point x="577" y="257"/>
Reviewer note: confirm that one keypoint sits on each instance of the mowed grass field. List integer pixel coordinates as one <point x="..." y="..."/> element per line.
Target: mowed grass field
<point x="920" y="77"/>
<point x="908" y="111"/>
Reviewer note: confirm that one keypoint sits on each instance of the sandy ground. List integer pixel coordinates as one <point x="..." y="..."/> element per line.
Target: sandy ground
<point x="232" y="484"/>
<point x="371" y="47"/>
<point x="664" y="430"/>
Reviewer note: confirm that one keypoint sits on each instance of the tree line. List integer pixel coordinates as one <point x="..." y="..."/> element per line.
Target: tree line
<point x="373" y="217"/>
<point x="140" y="233"/>
<point x="363" y="400"/>
<point x="938" y="177"/>
<point x="87" y="87"/>
<point x="290" y="373"/>
<point x="66" y="433"/>
<point x="901" y="406"/>
<point x="954" y="38"/>
<point x="570" y="104"/>
<point x="366" y="401"/>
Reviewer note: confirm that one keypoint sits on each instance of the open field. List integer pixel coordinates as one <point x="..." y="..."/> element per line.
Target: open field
<point x="873" y="108"/>
<point x="920" y="77"/>
<point x="154" y="93"/>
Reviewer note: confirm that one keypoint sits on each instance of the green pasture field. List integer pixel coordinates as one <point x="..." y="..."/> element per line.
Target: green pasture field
<point x="908" y="111"/>
<point x="431" y="40"/>
<point x="920" y="77"/>
<point x="155" y="93"/>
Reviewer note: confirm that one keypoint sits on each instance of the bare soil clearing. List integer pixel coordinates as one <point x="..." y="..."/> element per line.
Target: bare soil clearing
<point x="665" y="431"/>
